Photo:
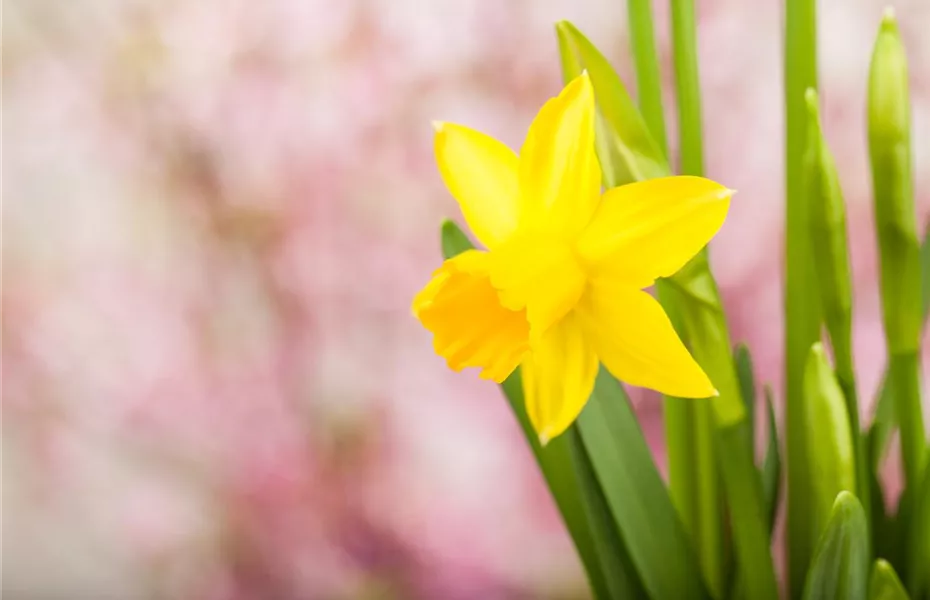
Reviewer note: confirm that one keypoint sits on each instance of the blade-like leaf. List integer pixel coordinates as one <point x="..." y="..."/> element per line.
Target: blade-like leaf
<point x="625" y="147"/>
<point x="641" y="507"/>
<point x="747" y="386"/>
<point x="882" y="524"/>
<point x="917" y="528"/>
<point x="771" y="464"/>
<point x="884" y="583"/>
<point x="571" y="481"/>
<point x="748" y="516"/>
<point x="619" y="572"/>
<point x="840" y="567"/>
<point x="770" y="477"/>
<point x="705" y="330"/>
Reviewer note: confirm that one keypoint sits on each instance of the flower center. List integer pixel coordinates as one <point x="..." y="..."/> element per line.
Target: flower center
<point x="542" y="275"/>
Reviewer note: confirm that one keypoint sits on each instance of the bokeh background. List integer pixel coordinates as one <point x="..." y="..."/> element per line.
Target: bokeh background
<point x="216" y="213"/>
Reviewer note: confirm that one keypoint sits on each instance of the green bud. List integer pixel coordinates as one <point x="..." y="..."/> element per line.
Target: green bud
<point x="830" y="249"/>
<point x="896" y="223"/>
<point x="827" y="221"/>
<point x="830" y="455"/>
<point x="895" y="219"/>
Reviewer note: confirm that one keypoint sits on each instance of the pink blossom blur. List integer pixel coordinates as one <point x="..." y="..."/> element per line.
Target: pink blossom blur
<point x="216" y="214"/>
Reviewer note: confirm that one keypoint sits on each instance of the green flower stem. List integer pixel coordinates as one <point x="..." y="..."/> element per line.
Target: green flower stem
<point x="648" y="75"/>
<point x="802" y="320"/>
<point x="694" y="482"/>
<point x="687" y="87"/>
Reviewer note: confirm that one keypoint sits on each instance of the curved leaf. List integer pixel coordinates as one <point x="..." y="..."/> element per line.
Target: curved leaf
<point x="884" y="584"/>
<point x="840" y="567"/>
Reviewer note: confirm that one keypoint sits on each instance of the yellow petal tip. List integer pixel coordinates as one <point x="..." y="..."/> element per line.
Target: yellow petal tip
<point x="716" y="393"/>
<point x="438" y="126"/>
<point x="544" y="438"/>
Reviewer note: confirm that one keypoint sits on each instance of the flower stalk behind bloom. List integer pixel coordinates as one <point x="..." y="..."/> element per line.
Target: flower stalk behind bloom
<point x="560" y="288"/>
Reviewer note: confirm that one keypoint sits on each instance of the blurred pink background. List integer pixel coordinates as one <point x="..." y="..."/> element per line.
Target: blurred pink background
<point x="216" y="214"/>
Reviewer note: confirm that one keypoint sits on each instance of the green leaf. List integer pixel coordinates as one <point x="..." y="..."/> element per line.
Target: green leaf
<point x="693" y="478"/>
<point x="882" y="525"/>
<point x="884" y="422"/>
<point x="571" y="481"/>
<point x="641" y="508"/>
<point x="748" y="516"/>
<point x="884" y="584"/>
<point x="770" y="478"/>
<point x="619" y="572"/>
<point x="771" y="464"/>
<point x="802" y="320"/>
<point x="453" y="240"/>
<point x="840" y="567"/>
<point x="625" y="147"/>
<point x="917" y="530"/>
<point x="747" y="386"/>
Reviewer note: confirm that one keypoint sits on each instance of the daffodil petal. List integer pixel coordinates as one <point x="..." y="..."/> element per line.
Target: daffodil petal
<point x="560" y="178"/>
<point x="558" y="377"/>
<point x="651" y="228"/>
<point x="470" y="326"/>
<point x="482" y="174"/>
<point x="538" y="274"/>
<point x="635" y="340"/>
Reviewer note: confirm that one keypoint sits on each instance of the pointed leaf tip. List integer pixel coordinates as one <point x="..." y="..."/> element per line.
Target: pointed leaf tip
<point x="846" y="499"/>
<point x="452" y="239"/>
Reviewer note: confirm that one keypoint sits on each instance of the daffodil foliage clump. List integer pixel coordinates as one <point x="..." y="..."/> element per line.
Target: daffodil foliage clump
<point x="573" y="231"/>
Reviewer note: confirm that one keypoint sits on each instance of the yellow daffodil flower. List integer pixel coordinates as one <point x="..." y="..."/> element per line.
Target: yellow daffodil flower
<point x="560" y="287"/>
